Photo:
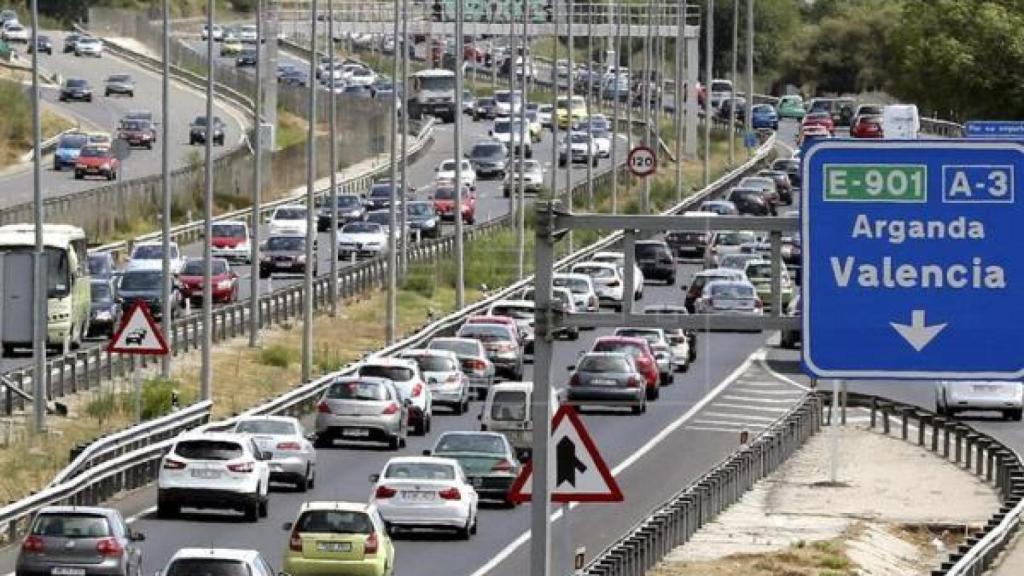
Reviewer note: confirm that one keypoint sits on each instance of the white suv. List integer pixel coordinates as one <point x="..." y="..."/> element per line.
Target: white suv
<point x="214" y="470"/>
<point x="405" y="374"/>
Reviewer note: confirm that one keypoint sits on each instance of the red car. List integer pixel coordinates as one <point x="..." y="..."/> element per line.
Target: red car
<point x="97" y="160"/>
<point x="867" y="127"/>
<point x="642" y="355"/>
<point x="444" y="203"/>
<point x="225" y="281"/>
<point x="137" y="133"/>
<point x="823" y="119"/>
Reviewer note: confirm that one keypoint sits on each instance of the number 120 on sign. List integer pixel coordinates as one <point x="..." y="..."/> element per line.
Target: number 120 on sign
<point x="642" y="161"/>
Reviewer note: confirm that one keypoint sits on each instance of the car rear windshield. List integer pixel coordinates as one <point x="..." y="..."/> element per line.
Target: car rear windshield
<point x="207" y="567"/>
<point x="382" y="218"/>
<point x="614" y="346"/>
<point x="735" y="238"/>
<point x="485" y="150"/>
<point x="195" y="268"/>
<point x="604" y="363"/>
<point x="732" y="291"/>
<point x="73" y="141"/>
<point x="430" y="363"/>
<point x="485" y="332"/>
<point x="759" y="271"/>
<point x="229" y="230"/>
<point x="120" y="78"/>
<point x="460" y="347"/>
<point x="484" y="443"/>
<point x="290" y="214"/>
<point x="721" y="87"/>
<point x="70" y="525"/>
<point x="101" y="292"/>
<point x="419" y="471"/>
<point x="209" y="450"/>
<point x="649" y="251"/>
<point x="577" y="285"/>
<point x="508" y="405"/>
<point x="265" y="427"/>
<point x="517" y="312"/>
<point x="361" y="228"/>
<point x="95" y="152"/>
<point x="421" y="209"/>
<point x="393" y="373"/>
<point x="286" y="243"/>
<point x="366" y="391"/>
<point x="76" y="83"/>
<point x="333" y="522"/>
<point x="649" y="335"/>
<point x="595" y="271"/>
<point x="444" y="194"/>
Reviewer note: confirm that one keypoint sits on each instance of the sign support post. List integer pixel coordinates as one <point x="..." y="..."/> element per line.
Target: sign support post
<point x="833" y="438"/>
<point x="568" y="561"/>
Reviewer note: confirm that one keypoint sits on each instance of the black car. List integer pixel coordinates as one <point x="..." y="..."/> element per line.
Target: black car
<point x="687" y="243"/>
<point x="488" y="159"/>
<point x="424" y="218"/>
<point x="76" y="89"/>
<point x="379" y="196"/>
<point x="791" y="166"/>
<point x="485" y="108"/>
<point x="285" y="254"/>
<point x="44" y="43"/>
<point x="197" y="131"/>
<point x="70" y="40"/>
<point x="727" y="105"/>
<point x="101" y="265"/>
<point x="147" y="286"/>
<point x="350" y="208"/>
<point x="750" y="202"/>
<point x="655" y="260"/>
<point x="247" y="58"/>
<point x="105" y="308"/>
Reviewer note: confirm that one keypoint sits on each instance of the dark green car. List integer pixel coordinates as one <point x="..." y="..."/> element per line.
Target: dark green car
<point x="486" y="458"/>
<point x="791" y="107"/>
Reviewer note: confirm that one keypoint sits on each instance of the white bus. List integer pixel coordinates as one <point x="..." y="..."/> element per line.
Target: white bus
<point x="67" y="286"/>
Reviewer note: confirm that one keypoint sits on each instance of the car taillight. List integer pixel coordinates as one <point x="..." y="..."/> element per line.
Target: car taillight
<point x="575" y="380"/>
<point x="613" y="284"/>
<point x="371" y="545"/>
<point x="633" y="382"/>
<point x="323" y="408"/>
<point x="109" y="547"/>
<point x="289" y="446"/>
<point x="243" y="467"/>
<point x="450" y="494"/>
<point x="33" y="544"/>
<point x="478" y="364"/>
<point x="593" y="301"/>
<point x="502" y="466"/>
<point x="417" y="389"/>
<point x="384" y="492"/>
<point x="390" y="408"/>
<point x="758" y="304"/>
<point x="170" y="464"/>
<point x="295" y="542"/>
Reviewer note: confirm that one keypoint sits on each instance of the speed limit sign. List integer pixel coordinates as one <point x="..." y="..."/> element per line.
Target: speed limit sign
<point x="642" y="161"/>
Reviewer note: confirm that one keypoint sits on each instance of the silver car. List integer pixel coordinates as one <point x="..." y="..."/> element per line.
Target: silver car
<point x="502" y="346"/>
<point x="77" y="540"/>
<point x="442" y="370"/>
<point x="658" y="340"/>
<point x="1006" y="397"/>
<point x="362" y="409"/>
<point x="607" y="379"/>
<point x="473" y="358"/>
<point x="293" y="458"/>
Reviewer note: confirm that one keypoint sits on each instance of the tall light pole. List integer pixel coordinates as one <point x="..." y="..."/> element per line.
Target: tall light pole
<point x="165" y="184"/>
<point x="617" y="105"/>
<point x="749" y="120"/>
<point x="206" y="369"/>
<point x="395" y="238"/>
<point x="709" y="59"/>
<point x="332" y="158"/>
<point x="405" y="129"/>
<point x="568" y="131"/>
<point x="307" y="274"/>
<point x="257" y="188"/>
<point x="678" y="98"/>
<point x="520" y="214"/>
<point x="589" y="103"/>
<point x="554" y="109"/>
<point x="733" y="77"/>
<point x="39" y="303"/>
<point x="460" y="269"/>
<point x="650" y="138"/>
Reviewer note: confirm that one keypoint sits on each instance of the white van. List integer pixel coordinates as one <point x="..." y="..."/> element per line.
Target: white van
<point x="900" y="121"/>
<point x="507" y="410"/>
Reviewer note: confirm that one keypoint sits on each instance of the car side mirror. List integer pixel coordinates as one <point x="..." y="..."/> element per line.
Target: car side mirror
<point x="137" y="537"/>
<point x="407" y="402"/>
<point x="426" y="452"/>
<point x="287" y="526"/>
<point x="570" y="368"/>
<point x="266" y="456"/>
<point x="374" y="478"/>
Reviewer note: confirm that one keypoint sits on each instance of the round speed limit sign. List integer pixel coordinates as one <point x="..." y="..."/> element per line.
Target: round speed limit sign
<point x="642" y="161"/>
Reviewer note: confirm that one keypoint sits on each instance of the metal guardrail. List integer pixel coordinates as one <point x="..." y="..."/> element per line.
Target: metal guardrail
<point x="677" y="520"/>
<point x="943" y="128"/>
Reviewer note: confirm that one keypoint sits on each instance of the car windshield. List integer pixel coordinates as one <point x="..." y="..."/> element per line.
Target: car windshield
<point x="508" y="405"/>
<point x="120" y="78"/>
<point x="482" y="443"/>
<point x="485" y="332"/>
<point x="419" y="471"/>
<point x="604" y="363"/>
<point x="517" y="312"/>
<point x="140" y="281"/>
<point x="872" y="110"/>
<point x="276" y="427"/>
<point x="361" y="228"/>
<point x="286" y="244"/>
<point x="229" y="231"/>
<point x="71" y="525"/>
<point x="393" y="373"/>
<point x="358" y="390"/>
<point x="73" y="141"/>
<point x="76" y="83"/>
<point x="437" y="82"/>
<point x="448" y="166"/>
<point x="595" y="271"/>
<point x="290" y="214"/>
<point x="218" y="450"/>
<point x="421" y="209"/>
<point x="207" y="567"/>
<point x="730" y="290"/>
<point x="460" y="347"/>
<point x="485" y="150"/>
<point x="735" y="238"/>
<point x="333" y="522"/>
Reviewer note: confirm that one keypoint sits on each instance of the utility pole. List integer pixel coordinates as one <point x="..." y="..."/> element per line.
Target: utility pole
<point x="165" y="184"/>
<point x="404" y="265"/>
<point x="206" y="379"/>
<point x="397" y="235"/>
<point x="39" y="303"/>
<point x="460" y="270"/>
<point x="520" y="213"/>
<point x="616" y="106"/>
<point x="749" y="120"/>
<point x="307" y="274"/>
<point x="554" y="109"/>
<point x="568" y="132"/>
<point x="590" y="103"/>
<point x="709" y="59"/>
<point x="332" y="158"/>
<point x="735" y="79"/>
<point x="681" y="89"/>
<point x="257" y="188"/>
<point x="629" y="87"/>
<point x="650" y="135"/>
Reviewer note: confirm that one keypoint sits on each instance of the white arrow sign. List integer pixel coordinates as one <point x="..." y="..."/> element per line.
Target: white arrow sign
<point x="918" y="334"/>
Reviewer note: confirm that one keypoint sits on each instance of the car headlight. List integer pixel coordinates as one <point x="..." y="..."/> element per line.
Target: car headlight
<point x="105" y="166"/>
<point x="103" y="315"/>
<point x="300" y="258"/>
<point x="265" y="258"/>
<point x="224" y="285"/>
<point x="430" y="223"/>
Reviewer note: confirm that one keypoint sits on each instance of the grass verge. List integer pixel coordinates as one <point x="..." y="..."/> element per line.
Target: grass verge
<point x="820" y="558"/>
<point x="16" y="123"/>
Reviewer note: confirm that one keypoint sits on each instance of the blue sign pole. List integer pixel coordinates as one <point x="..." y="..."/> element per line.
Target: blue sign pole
<point x="912" y="261"/>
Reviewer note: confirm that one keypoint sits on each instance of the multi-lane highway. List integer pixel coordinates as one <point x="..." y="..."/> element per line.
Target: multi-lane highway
<point x="104" y="114"/>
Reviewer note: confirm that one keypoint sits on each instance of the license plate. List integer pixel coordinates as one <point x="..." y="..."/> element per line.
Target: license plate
<point x="205" y="474"/>
<point x="984" y="388"/>
<point x="417" y="496"/>
<point x="333" y="546"/>
<point x="602" y="382"/>
<point x="477" y="482"/>
<point x="67" y="571"/>
<point x="356" y="433"/>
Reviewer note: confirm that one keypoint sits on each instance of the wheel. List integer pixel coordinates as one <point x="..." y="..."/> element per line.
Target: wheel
<point x="303" y="483"/>
<point x="88" y="98"/>
<point x="481" y="394"/>
<point x="252" y="510"/>
<point x="322" y="441"/>
<point x="476" y="521"/>
<point x="1016" y="415"/>
<point x="459" y="408"/>
<point x="464" y="532"/>
<point x="429" y="424"/>
<point x="106" y="93"/>
<point x="131" y="94"/>
<point x="311" y="482"/>
<point x="79" y="175"/>
<point x="167" y="510"/>
<point x="8" y="350"/>
<point x="653" y="393"/>
<point x="671" y="280"/>
<point x="394" y="442"/>
<point x="636" y="410"/>
<point x="421" y="427"/>
<point x="264" y="506"/>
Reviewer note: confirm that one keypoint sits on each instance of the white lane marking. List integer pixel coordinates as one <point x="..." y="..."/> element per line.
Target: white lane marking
<point x="783" y="392"/>
<point x="625" y="464"/>
<point x="776" y="409"/>
<point x="760" y="384"/>
<point x="781" y="377"/>
<point x="758" y="400"/>
<point x="140" y="515"/>
<point x="714" y="429"/>
<point x="741" y="417"/>
<point x="732" y="423"/>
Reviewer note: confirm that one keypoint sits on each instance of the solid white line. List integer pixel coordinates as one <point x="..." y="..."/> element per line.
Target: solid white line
<point x="622" y="466"/>
<point x="146" y="512"/>
<point x="781" y="377"/>
<point x="741" y="417"/>
<point x="760" y="384"/>
<point x="777" y="392"/>
<point x="756" y="400"/>
<point x="714" y="429"/>
<point x="734" y="423"/>
<point x="775" y="409"/>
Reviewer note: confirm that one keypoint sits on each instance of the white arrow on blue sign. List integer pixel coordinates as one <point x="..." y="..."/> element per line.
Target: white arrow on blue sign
<point x="913" y="261"/>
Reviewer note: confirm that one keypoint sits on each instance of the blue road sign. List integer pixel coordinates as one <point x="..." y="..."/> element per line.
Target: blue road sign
<point x="997" y="129"/>
<point x="912" y="259"/>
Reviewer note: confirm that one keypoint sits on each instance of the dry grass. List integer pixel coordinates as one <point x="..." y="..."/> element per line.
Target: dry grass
<point x="16" y="123"/>
<point x="822" y="558"/>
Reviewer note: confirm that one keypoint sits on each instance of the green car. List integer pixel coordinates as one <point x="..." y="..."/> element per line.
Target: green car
<point x="791" y="107"/>
<point x="338" y="539"/>
<point x="759" y="273"/>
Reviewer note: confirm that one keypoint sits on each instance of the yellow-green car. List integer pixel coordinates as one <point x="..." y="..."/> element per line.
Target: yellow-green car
<point x="231" y="47"/>
<point x="563" y="113"/>
<point x="338" y="539"/>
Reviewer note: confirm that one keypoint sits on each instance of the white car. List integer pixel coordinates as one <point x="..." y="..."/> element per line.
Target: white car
<point x="449" y="386"/>
<point x="149" y="256"/>
<point x="425" y="492"/>
<point x="659" y="342"/>
<point x="577" y="147"/>
<point x="89" y="47"/>
<point x="507" y="102"/>
<point x="507" y="131"/>
<point x="620" y="259"/>
<point x="584" y="297"/>
<point x="533" y="177"/>
<point x="445" y="172"/>
<point x="522" y="311"/>
<point x="293" y="457"/>
<point x="362" y="77"/>
<point x="607" y="280"/>
<point x="288" y="220"/>
<point x="603" y="142"/>
<point x="218" y="33"/>
<point x="247" y="33"/>
<point x="362" y="239"/>
<point x="15" y="32"/>
<point x="1006" y="397"/>
<point x="544" y="114"/>
<point x="405" y="375"/>
<point x="231" y="241"/>
<point x="221" y="561"/>
<point x="214" y="470"/>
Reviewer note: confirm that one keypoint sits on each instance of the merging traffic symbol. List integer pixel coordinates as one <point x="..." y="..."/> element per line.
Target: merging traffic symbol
<point x="579" y="473"/>
<point x="139" y="333"/>
<point x="911" y="259"/>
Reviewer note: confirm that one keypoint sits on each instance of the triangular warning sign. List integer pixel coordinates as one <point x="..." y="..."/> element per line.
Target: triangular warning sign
<point x="139" y="333"/>
<point x="577" y="472"/>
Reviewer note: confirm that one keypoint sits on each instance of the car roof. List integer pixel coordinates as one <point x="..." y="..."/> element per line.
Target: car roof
<point x="621" y="340"/>
<point x="237" y="554"/>
<point x="514" y="303"/>
<point x="717" y="272"/>
<point x="336" y="506"/>
<point x="229" y="222"/>
<point x="98" y="510"/>
<point x="513" y="386"/>
<point x="421" y="460"/>
<point x="269" y="418"/>
<point x="596" y="264"/>
<point x="367" y="379"/>
<point x="416" y="352"/>
<point x="389" y="361"/>
<point x="152" y="243"/>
